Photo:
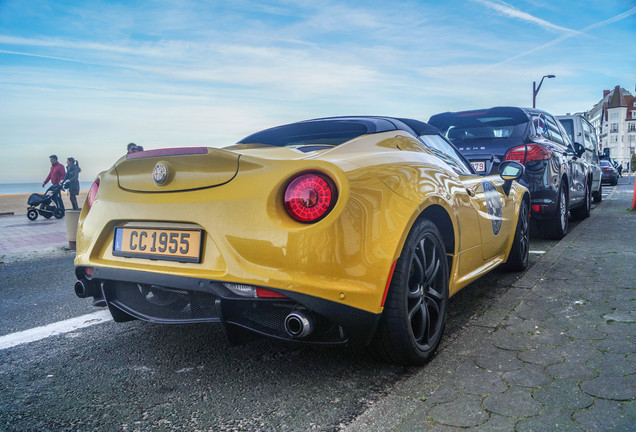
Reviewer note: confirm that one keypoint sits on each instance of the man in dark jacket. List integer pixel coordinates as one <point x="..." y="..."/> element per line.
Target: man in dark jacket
<point x="57" y="172"/>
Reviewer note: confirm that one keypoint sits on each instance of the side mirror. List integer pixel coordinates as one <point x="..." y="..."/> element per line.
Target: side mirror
<point x="510" y="171"/>
<point x="579" y="149"/>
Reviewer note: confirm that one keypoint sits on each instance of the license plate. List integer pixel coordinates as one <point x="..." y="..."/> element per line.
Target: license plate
<point x="479" y="166"/>
<point x="157" y="243"/>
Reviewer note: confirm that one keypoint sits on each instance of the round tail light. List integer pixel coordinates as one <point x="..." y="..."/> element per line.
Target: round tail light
<point x="92" y="192"/>
<point x="310" y="197"/>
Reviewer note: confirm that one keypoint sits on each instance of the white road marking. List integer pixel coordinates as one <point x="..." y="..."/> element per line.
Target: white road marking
<point x="538" y="252"/>
<point x="58" y="328"/>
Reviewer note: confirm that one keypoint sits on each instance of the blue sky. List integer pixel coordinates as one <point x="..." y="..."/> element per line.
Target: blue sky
<point x="84" y="78"/>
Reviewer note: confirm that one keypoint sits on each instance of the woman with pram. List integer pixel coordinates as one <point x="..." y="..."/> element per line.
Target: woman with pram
<point x="71" y="180"/>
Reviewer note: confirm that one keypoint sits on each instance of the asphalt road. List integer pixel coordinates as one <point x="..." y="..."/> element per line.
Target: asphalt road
<point x="140" y="376"/>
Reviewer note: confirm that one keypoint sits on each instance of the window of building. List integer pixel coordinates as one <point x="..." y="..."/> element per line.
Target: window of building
<point x="633" y="114"/>
<point x="631" y="127"/>
<point x="613" y="138"/>
<point x="614" y="116"/>
<point x="614" y="128"/>
<point x="632" y="138"/>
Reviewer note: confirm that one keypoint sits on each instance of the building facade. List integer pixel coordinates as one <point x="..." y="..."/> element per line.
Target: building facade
<point x="614" y="118"/>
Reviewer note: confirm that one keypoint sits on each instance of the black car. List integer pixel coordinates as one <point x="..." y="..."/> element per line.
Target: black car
<point x="609" y="174"/>
<point x="558" y="177"/>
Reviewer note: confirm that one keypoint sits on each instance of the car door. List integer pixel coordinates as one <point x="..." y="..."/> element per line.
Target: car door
<point x="495" y="212"/>
<point x="574" y="163"/>
<point x="579" y="165"/>
<point x="494" y="209"/>
<point x="591" y="148"/>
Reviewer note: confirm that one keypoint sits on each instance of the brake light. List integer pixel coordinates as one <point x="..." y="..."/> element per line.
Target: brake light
<point x="310" y="197"/>
<point x="92" y="193"/>
<point x="535" y="152"/>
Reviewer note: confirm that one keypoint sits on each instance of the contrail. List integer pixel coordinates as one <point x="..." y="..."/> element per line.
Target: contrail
<point x="619" y="17"/>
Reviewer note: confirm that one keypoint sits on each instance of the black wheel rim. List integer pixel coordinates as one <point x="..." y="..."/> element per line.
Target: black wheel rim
<point x="524" y="233"/>
<point x="426" y="292"/>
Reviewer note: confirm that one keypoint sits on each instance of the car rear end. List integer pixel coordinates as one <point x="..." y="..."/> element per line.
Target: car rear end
<point x="484" y="136"/>
<point x="609" y="173"/>
<point x="284" y="245"/>
<point x="487" y="137"/>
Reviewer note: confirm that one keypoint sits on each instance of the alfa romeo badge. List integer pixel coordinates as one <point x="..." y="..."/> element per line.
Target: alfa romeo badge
<point x="160" y="173"/>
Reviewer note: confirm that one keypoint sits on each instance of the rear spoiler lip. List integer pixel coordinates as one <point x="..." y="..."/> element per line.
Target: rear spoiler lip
<point x="176" y="151"/>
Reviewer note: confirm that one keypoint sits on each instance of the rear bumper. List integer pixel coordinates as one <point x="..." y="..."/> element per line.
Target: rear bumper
<point x="609" y="178"/>
<point x="170" y="299"/>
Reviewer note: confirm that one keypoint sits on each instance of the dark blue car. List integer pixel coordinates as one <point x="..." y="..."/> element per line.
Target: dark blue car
<point x="558" y="178"/>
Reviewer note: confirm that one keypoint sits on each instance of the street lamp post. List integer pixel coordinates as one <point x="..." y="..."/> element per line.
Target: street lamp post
<point x="535" y="89"/>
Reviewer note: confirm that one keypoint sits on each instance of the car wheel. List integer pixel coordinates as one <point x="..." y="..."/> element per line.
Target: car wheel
<point x="518" y="257"/>
<point x="414" y="317"/>
<point x="32" y="214"/>
<point x="583" y="211"/>
<point x="557" y="225"/>
<point x="598" y="196"/>
<point x="58" y="213"/>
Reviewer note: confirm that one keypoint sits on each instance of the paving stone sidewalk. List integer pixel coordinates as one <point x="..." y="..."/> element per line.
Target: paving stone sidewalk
<point x="557" y="352"/>
<point x="21" y="238"/>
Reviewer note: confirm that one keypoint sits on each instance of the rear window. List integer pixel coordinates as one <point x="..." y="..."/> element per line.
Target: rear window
<point x="310" y="133"/>
<point x="481" y="125"/>
<point x="568" y="125"/>
<point x="605" y="163"/>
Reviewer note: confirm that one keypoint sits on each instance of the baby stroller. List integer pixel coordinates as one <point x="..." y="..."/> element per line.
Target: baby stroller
<point x="47" y="204"/>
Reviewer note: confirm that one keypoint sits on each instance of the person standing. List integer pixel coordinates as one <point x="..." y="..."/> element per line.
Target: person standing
<point x="56" y="174"/>
<point x="620" y="170"/>
<point x="72" y="177"/>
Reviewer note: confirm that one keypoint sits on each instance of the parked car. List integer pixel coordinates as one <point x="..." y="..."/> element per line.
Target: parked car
<point x="325" y="231"/>
<point x="610" y="174"/>
<point x="557" y="176"/>
<point x="581" y="131"/>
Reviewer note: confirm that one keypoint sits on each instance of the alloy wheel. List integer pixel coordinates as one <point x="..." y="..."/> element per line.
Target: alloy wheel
<point x="426" y="301"/>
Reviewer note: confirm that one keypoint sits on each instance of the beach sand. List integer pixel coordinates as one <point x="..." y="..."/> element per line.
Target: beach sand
<point x="17" y="203"/>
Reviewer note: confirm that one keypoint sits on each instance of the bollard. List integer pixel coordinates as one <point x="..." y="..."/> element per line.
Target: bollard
<point x="634" y="199"/>
<point x="72" y="218"/>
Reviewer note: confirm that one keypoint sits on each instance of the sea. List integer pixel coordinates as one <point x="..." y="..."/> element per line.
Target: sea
<point x="20" y="188"/>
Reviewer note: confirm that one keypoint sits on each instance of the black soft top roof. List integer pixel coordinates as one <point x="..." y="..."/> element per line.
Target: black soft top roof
<point x="335" y="130"/>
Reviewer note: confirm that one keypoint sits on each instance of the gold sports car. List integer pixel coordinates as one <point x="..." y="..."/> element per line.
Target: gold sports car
<point x="327" y="231"/>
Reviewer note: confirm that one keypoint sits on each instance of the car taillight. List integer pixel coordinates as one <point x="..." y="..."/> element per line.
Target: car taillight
<point x="535" y="152"/>
<point x="265" y="293"/>
<point x="92" y="192"/>
<point x="310" y="197"/>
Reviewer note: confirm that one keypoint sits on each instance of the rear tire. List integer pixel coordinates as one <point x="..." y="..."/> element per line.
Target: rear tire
<point x="598" y="196"/>
<point x="32" y="214"/>
<point x="557" y="226"/>
<point x="583" y="211"/>
<point x="411" y="327"/>
<point x="520" y="251"/>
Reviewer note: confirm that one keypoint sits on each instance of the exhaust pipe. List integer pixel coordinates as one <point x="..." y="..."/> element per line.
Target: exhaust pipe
<point x="299" y="324"/>
<point x="85" y="288"/>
